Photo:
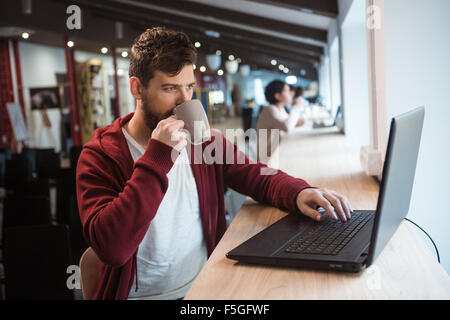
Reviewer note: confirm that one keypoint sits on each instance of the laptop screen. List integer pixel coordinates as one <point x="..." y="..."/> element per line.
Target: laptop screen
<point x="398" y="178"/>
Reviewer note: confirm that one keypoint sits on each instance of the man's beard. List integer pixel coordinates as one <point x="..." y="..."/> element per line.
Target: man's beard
<point x="151" y="118"/>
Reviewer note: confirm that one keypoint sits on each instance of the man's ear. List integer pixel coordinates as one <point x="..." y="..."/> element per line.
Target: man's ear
<point x="136" y="88"/>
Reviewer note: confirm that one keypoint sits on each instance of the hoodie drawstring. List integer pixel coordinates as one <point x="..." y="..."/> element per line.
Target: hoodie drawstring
<point x="135" y="267"/>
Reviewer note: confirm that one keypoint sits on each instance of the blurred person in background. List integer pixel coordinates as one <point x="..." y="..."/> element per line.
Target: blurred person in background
<point x="275" y="117"/>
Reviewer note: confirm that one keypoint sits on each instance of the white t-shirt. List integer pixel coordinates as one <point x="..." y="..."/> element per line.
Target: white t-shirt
<point x="173" y="250"/>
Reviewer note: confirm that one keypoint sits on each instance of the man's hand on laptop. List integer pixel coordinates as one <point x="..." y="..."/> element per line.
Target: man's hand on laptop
<point x="335" y="205"/>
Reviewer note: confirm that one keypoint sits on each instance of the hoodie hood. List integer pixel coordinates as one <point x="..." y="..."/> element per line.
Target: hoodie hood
<point x="111" y="142"/>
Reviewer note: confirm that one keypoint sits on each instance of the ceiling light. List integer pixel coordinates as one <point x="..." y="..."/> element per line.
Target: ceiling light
<point x="238" y="60"/>
<point x="124" y="54"/>
<point x="197" y="44"/>
<point x="285" y="70"/>
<point x="273" y="62"/>
<point x="104" y="50"/>
<point x="25" y="35"/>
<point x="231" y="57"/>
<point x="202" y="69"/>
<point x="220" y="72"/>
<point x="291" y="79"/>
<point x="194" y="66"/>
<point x="281" y="67"/>
<point x="218" y="52"/>
<point x="70" y="43"/>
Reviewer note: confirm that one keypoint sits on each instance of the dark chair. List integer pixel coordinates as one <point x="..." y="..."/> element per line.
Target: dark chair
<point x="77" y="242"/>
<point x="33" y="188"/>
<point x="4" y="155"/>
<point x="75" y="152"/>
<point x="65" y="189"/>
<point x="2" y="169"/>
<point x="30" y="154"/>
<point x="36" y="261"/>
<point x="67" y="211"/>
<point x="20" y="210"/>
<point x="18" y="172"/>
<point x="48" y="163"/>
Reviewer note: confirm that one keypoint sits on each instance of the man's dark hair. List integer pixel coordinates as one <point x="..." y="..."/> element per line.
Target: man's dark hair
<point x="160" y="49"/>
<point x="272" y="88"/>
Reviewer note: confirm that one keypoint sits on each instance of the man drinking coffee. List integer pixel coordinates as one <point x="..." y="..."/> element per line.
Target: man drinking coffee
<point x="153" y="220"/>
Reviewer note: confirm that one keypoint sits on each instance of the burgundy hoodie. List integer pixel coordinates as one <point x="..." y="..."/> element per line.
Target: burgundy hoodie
<point x="118" y="198"/>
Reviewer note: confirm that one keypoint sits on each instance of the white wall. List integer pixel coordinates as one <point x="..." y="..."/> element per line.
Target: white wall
<point x="335" y="75"/>
<point x="324" y="82"/>
<point x="39" y="64"/>
<point x="355" y="76"/>
<point x="335" y="55"/>
<point x="417" y="41"/>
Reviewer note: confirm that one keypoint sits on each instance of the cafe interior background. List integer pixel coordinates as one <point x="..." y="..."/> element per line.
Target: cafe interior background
<point x="64" y="73"/>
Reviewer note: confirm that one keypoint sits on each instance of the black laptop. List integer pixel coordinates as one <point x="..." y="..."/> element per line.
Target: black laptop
<point x="299" y="241"/>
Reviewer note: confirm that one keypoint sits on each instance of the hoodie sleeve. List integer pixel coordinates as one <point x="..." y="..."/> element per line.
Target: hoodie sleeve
<point x="115" y="219"/>
<point x="257" y="180"/>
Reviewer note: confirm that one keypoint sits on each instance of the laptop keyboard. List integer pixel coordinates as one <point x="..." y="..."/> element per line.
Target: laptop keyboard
<point x="330" y="237"/>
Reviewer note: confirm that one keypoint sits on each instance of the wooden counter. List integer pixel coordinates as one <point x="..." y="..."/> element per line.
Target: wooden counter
<point x="406" y="269"/>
